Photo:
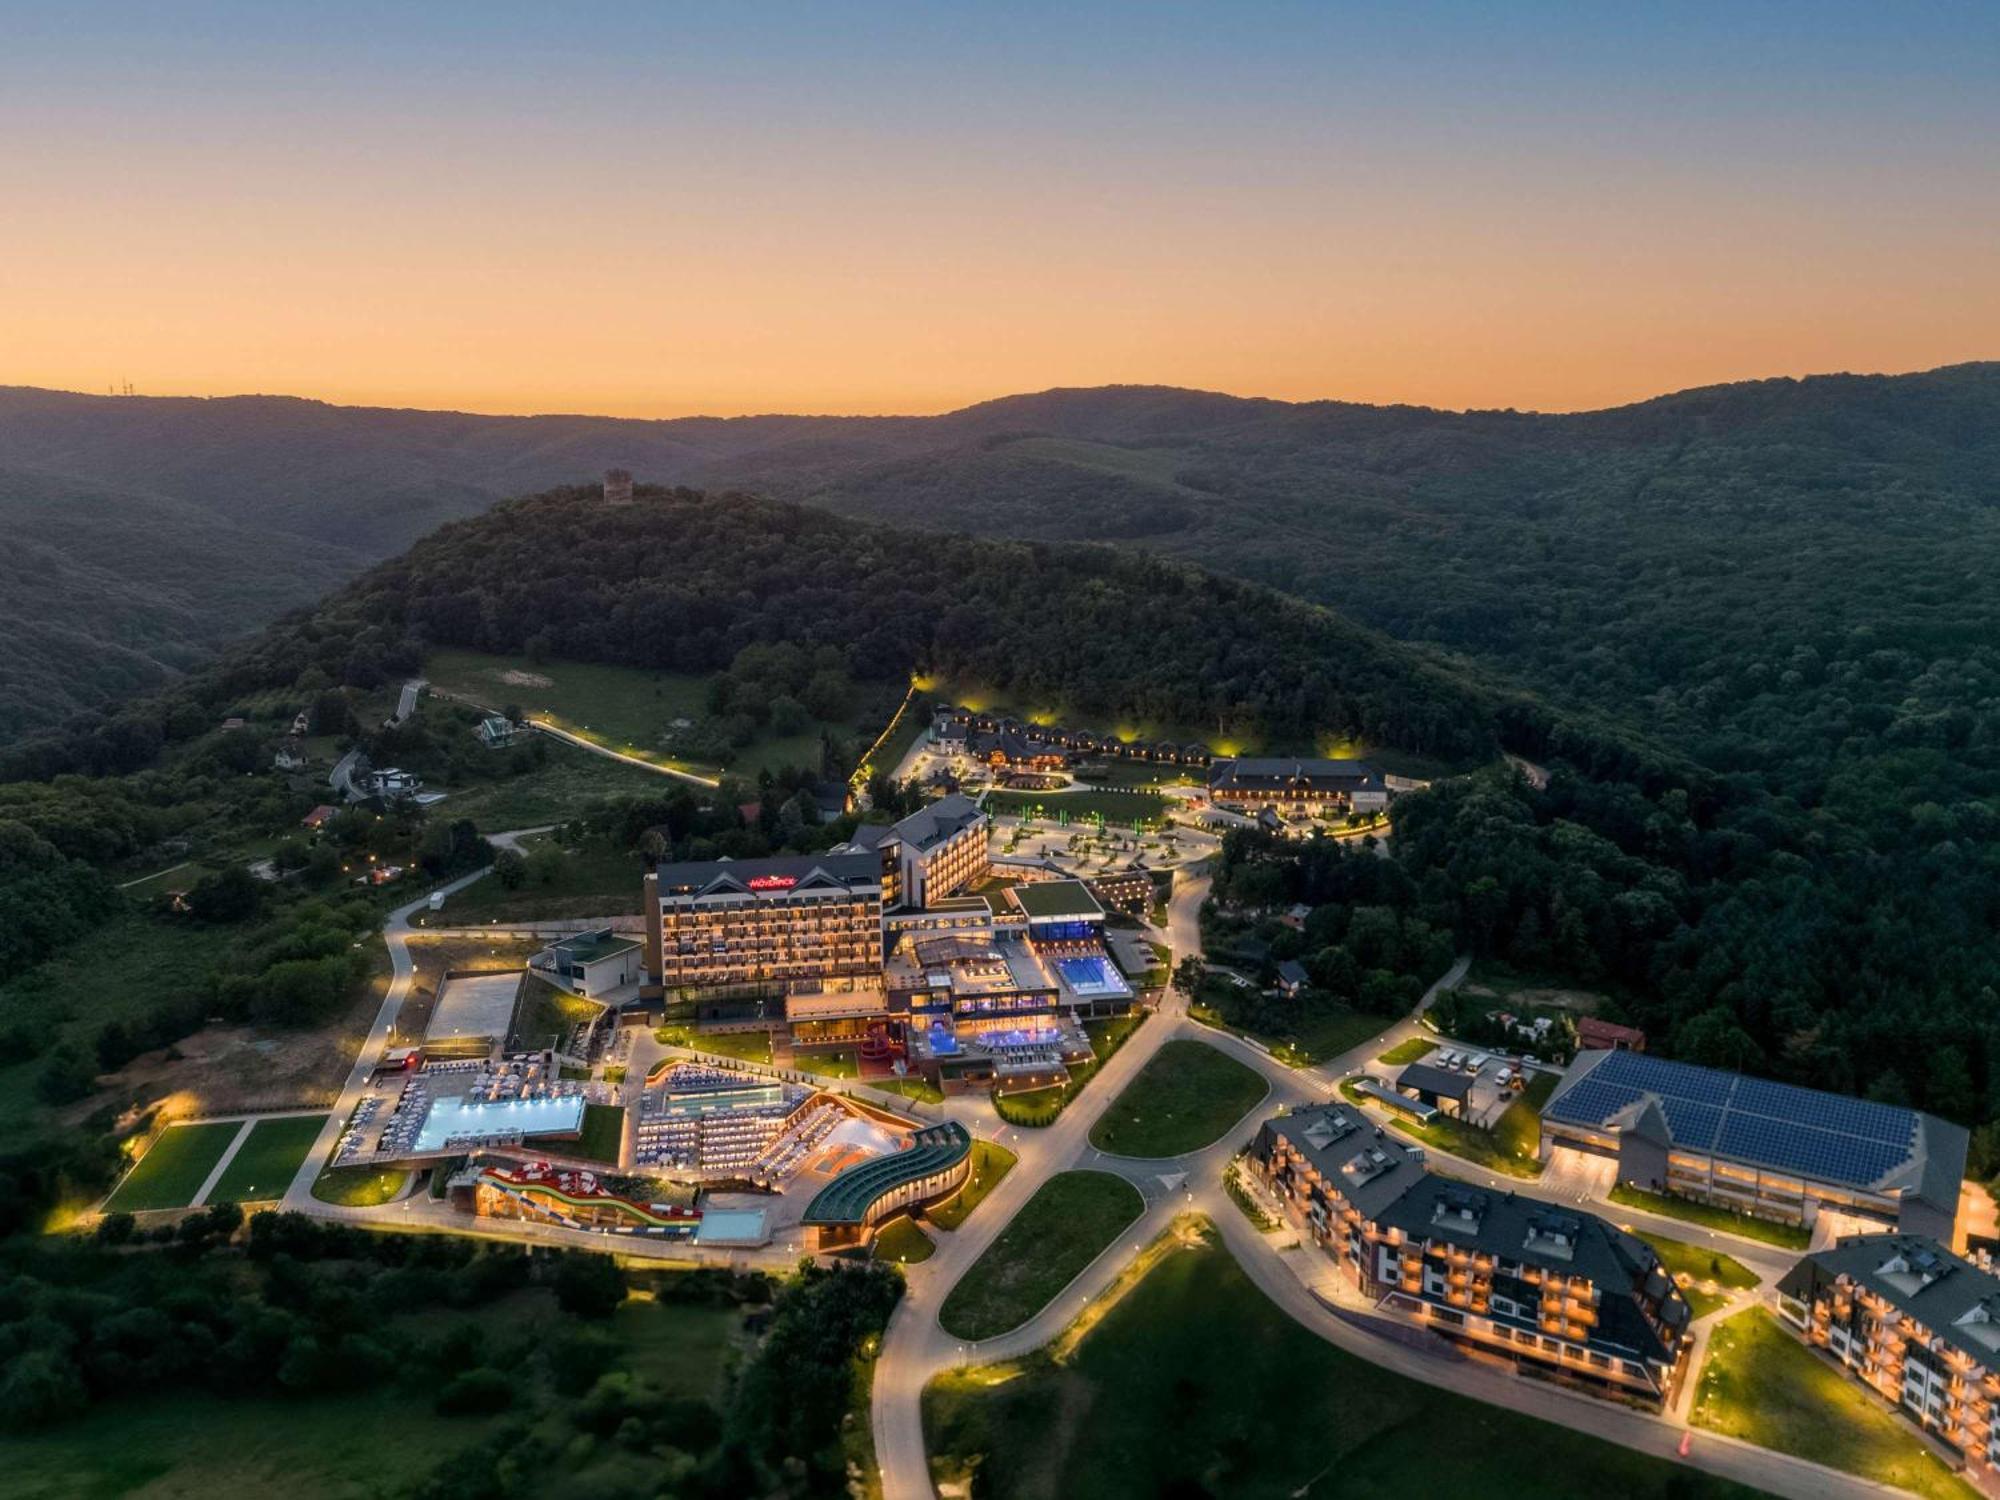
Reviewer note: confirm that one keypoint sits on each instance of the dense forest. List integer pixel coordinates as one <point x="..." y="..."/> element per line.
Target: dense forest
<point x="689" y="582"/>
<point x="1617" y="557"/>
<point x="287" y="1309"/>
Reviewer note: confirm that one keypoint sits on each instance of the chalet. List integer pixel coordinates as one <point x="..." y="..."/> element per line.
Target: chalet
<point x="1292" y="978"/>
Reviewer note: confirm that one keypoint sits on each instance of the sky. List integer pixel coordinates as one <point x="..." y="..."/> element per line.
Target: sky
<point x="657" y="209"/>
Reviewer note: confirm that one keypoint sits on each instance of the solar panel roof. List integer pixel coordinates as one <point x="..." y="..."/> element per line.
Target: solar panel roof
<point x="1777" y="1126"/>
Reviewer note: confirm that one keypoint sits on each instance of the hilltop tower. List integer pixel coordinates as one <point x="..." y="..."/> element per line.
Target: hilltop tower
<point x="617" y="486"/>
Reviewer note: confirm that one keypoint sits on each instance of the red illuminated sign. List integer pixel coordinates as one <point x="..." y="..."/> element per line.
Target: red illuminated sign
<point x="773" y="882"/>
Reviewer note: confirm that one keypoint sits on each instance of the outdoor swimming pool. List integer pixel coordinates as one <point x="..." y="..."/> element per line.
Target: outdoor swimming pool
<point x="453" y="1119"/>
<point x="1091" y="977"/>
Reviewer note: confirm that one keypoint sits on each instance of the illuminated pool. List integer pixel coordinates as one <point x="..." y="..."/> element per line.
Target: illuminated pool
<point x="1091" y="977"/>
<point x="453" y="1121"/>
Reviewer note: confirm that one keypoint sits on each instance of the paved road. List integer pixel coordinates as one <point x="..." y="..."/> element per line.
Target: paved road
<point x="916" y="1348"/>
<point x="618" y="755"/>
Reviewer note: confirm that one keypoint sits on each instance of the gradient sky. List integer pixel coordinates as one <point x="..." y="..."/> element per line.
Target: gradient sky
<point x="658" y="209"/>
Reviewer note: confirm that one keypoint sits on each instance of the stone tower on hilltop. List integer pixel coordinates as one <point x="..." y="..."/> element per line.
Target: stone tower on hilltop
<point x="617" y="486"/>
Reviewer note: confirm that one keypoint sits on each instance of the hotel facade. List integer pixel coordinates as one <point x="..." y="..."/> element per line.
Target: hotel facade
<point x="742" y="924"/>
<point x="1914" y="1323"/>
<point x="1287" y="784"/>
<point x="1559" y="1293"/>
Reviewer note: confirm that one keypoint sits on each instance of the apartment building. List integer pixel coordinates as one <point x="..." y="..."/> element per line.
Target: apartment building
<point x="938" y="851"/>
<point x="1914" y="1323"/>
<point x="743" y="924"/>
<point x="1560" y="1293"/>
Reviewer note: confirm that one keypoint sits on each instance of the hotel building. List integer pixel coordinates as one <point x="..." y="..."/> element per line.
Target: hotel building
<point x="1769" y="1149"/>
<point x="1562" y="1294"/>
<point x="764" y="923"/>
<point x="1914" y="1323"/>
<point x="935" y="852"/>
<point x="1296" y="786"/>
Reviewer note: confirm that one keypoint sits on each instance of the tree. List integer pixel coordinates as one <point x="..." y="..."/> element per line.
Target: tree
<point x="588" y="1286"/>
<point x="230" y="895"/>
<point x="510" y="869"/>
<point x="1189" y="976"/>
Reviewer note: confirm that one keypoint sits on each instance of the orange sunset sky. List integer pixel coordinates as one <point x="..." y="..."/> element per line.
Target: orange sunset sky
<point x="659" y="210"/>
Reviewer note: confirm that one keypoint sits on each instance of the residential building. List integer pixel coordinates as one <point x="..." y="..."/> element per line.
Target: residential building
<point x="1562" y="1294"/>
<point x="1302" y="787"/>
<point x="291" y="756"/>
<point x="1593" y="1035"/>
<point x="318" y="817"/>
<point x="497" y="731"/>
<point x="1914" y="1323"/>
<point x="1769" y="1149"/>
<point x="392" y="782"/>
<point x="1292" y="978"/>
<point x="764" y="923"/>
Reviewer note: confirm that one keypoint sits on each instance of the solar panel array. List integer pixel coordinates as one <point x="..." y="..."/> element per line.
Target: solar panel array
<point x="1776" y="1126"/>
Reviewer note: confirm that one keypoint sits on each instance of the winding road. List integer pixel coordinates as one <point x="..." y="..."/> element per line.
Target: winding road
<point x="916" y="1348"/>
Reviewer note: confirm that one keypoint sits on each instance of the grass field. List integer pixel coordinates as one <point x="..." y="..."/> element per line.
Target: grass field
<point x="267" y="1161"/>
<point x="1784" y="1236"/>
<point x="902" y="1242"/>
<point x="1062" y="1229"/>
<point x="1193" y="1384"/>
<point x="1120" y="808"/>
<point x="1762" y="1385"/>
<point x="172" y="1172"/>
<point x="745" y="1046"/>
<point x="603" y="1133"/>
<point x="360" y="1187"/>
<point x="593" y="880"/>
<point x="990" y="1163"/>
<point x="633" y="710"/>
<point x="568" y="780"/>
<point x="1406" y="1052"/>
<point x="543" y="1013"/>
<point x="1186" y="1097"/>
<point x="1697" y="1269"/>
<point x="1316" y="1034"/>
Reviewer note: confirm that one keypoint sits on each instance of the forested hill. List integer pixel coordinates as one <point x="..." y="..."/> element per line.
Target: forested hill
<point x="1598" y="556"/>
<point x="684" y="581"/>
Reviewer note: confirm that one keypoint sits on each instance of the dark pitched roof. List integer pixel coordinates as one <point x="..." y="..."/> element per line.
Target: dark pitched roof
<point x="932" y="825"/>
<point x="1948" y="1294"/>
<point x="697" y="876"/>
<point x="1292" y="972"/>
<point x="1272" y="773"/>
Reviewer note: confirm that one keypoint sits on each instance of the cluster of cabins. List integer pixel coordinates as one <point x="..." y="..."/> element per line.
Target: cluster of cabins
<point x="1011" y="744"/>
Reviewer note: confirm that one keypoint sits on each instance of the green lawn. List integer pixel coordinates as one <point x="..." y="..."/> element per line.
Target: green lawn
<point x="543" y="1013"/>
<point x="1186" y="1097"/>
<point x="990" y="1163"/>
<point x="1769" y="1231"/>
<point x="903" y="1242"/>
<point x="172" y="1172"/>
<point x="1119" y="808"/>
<point x="603" y="1133"/>
<point x="264" y="1166"/>
<point x="744" y="1046"/>
<point x="1764" y="1386"/>
<point x="593" y="880"/>
<point x="1480" y="1147"/>
<point x="834" y="1063"/>
<point x="1706" y="1277"/>
<point x="359" y="1186"/>
<point x="1062" y="1229"/>
<point x="1518" y="1131"/>
<point x="1317" y="1032"/>
<point x="568" y="780"/>
<point x="1406" y="1052"/>
<point x="1194" y="1384"/>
